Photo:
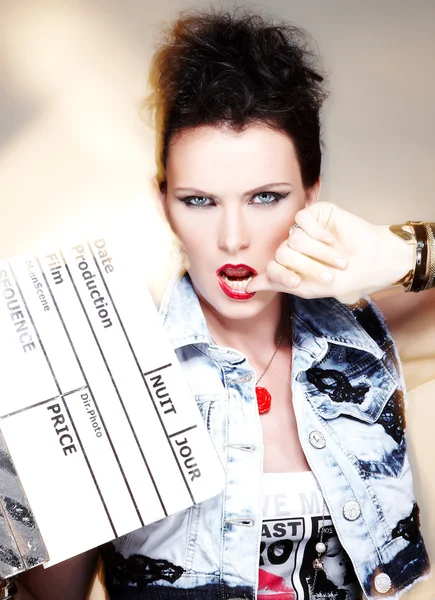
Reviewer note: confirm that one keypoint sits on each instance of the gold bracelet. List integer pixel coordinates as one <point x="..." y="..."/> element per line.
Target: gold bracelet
<point x="422" y="276"/>
<point x="410" y="239"/>
<point x="430" y="227"/>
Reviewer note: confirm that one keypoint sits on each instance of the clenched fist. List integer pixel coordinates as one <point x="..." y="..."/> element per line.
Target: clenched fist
<point x="331" y="252"/>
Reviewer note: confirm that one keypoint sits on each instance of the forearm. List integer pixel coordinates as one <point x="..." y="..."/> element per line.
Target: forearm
<point x="330" y="252"/>
<point x="395" y="259"/>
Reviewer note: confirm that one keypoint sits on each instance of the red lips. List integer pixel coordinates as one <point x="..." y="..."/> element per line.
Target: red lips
<point x="235" y="272"/>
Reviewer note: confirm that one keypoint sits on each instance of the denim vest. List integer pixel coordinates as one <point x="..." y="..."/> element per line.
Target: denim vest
<point x="348" y="398"/>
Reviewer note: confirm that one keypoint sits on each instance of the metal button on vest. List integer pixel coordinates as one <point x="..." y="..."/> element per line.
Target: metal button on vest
<point x="351" y="510"/>
<point x="317" y="440"/>
<point x="382" y="583"/>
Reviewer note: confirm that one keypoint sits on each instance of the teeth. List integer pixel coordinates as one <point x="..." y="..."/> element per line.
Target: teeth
<point x="236" y="284"/>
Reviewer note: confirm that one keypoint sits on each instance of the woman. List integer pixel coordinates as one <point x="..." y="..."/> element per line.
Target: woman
<point x="238" y="103"/>
<point x="322" y="437"/>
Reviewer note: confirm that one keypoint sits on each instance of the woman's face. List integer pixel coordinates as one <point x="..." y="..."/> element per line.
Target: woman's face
<point x="231" y="199"/>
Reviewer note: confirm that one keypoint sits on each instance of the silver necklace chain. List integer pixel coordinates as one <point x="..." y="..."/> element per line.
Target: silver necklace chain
<point x="273" y="355"/>
<point x="318" y="562"/>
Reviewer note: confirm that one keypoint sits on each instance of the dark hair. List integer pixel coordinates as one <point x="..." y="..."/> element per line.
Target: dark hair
<point x="236" y="69"/>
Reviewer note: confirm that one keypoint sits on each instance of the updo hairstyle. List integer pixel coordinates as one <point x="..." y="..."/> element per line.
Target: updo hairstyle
<point x="234" y="69"/>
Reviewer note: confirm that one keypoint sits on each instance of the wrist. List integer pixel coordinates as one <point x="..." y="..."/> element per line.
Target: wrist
<point x="399" y="255"/>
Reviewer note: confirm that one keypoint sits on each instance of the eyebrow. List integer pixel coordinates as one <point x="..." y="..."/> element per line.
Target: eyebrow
<point x="257" y="190"/>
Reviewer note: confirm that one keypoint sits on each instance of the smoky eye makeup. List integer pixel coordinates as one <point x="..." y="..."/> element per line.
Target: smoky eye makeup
<point x="196" y="201"/>
<point x="267" y="198"/>
<point x="262" y="198"/>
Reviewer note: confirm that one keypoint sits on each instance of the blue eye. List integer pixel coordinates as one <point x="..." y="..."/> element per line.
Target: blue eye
<point x="267" y="198"/>
<point x="198" y="201"/>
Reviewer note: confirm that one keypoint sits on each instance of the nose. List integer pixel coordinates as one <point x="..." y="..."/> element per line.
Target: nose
<point x="233" y="233"/>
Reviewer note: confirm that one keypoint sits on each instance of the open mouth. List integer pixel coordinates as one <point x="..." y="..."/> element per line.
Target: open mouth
<point x="233" y="280"/>
<point x="237" y="283"/>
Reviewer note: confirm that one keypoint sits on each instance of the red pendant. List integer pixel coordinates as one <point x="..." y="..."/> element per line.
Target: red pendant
<point x="264" y="400"/>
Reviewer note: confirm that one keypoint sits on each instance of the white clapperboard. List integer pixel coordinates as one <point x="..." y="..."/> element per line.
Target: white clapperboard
<point x="100" y="424"/>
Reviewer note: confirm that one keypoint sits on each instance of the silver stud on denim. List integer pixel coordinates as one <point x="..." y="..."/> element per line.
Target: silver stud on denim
<point x="317" y="440"/>
<point x="351" y="510"/>
<point x="382" y="583"/>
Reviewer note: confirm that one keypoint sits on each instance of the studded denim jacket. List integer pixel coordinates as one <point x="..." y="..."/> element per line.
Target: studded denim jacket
<point x="349" y="404"/>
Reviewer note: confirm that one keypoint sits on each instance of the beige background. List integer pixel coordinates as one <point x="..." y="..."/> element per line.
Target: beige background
<point x="74" y="154"/>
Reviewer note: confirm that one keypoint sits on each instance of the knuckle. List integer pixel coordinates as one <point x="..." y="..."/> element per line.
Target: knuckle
<point x="294" y="240"/>
<point x="281" y="254"/>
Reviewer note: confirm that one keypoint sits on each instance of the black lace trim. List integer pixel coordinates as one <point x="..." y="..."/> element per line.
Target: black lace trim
<point x="339" y="354"/>
<point x="409" y="528"/>
<point x="336" y="385"/>
<point x="392" y="417"/>
<point x="137" y="569"/>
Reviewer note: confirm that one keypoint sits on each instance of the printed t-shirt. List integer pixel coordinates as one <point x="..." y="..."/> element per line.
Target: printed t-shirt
<point x="293" y="511"/>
